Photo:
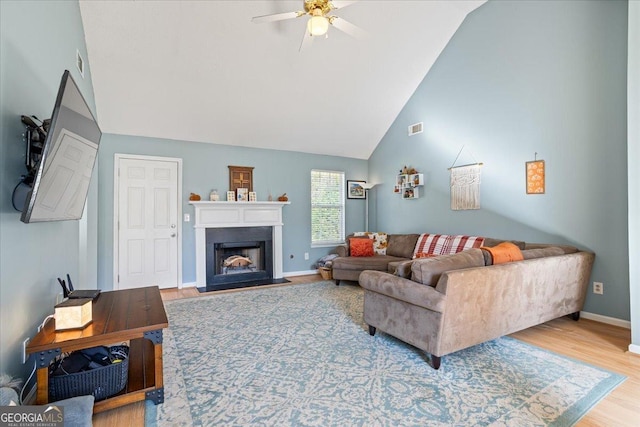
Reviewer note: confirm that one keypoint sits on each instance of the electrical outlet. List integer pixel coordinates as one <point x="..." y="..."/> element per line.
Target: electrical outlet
<point x="24" y="350"/>
<point x="306" y="255"/>
<point x="187" y="217"/>
<point x="598" y="288"/>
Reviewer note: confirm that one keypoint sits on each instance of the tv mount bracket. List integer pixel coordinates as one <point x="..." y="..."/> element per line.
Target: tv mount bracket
<point x="35" y="136"/>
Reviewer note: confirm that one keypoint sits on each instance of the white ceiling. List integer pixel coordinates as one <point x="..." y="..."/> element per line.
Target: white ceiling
<point x="202" y="71"/>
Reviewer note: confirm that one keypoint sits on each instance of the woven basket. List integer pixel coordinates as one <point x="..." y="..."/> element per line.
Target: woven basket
<point x="325" y="273"/>
<point x="101" y="382"/>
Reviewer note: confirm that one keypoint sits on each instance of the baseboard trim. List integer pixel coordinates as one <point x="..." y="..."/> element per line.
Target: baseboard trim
<point x="606" y="319"/>
<point x="189" y="285"/>
<point x="634" y="348"/>
<point x="300" y="273"/>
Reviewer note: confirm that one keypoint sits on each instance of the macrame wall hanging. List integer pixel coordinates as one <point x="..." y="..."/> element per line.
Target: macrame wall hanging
<point x="465" y="185"/>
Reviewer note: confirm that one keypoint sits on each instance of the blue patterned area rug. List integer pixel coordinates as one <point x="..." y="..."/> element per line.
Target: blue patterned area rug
<point x="301" y="356"/>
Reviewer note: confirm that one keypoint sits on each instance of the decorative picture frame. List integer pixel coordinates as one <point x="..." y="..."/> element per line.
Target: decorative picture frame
<point x="240" y="177"/>
<point x="355" y="190"/>
<point x="231" y="196"/>
<point x="535" y="176"/>
<point x="252" y="196"/>
<point x="242" y="194"/>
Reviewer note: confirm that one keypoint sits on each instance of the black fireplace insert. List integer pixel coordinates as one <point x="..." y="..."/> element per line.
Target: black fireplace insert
<point x="238" y="257"/>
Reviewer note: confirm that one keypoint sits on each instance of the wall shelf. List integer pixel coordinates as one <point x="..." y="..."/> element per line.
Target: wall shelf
<point x="408" y="185"/>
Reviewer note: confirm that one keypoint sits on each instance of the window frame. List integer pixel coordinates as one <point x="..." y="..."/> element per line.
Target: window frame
<point x="342" y="206"/>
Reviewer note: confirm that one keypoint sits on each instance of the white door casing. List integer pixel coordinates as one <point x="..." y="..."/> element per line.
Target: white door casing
<point x="147" y="226"/>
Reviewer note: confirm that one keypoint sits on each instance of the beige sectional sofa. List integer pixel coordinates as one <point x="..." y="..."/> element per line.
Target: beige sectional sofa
<point x="447" y="303"/>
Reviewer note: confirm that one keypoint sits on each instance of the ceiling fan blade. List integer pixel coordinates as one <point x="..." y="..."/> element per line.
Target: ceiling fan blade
<point x="276" y="17"/>
<point x="348" y="27"/>
<point x="307" y="39"/>
<point x="339" y="4"/>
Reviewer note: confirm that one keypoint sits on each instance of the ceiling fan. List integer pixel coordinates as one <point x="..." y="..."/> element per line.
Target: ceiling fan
<point x="319" y="19"/>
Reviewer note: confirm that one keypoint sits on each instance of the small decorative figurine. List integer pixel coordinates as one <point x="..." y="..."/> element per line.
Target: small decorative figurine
<point x="283" y="198"/>
<point x="194" y="197"/>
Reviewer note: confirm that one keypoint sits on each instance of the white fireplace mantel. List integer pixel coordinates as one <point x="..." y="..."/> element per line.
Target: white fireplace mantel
<point x="237" y="214"/>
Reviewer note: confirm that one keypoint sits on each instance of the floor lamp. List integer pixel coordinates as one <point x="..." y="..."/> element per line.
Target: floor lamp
<point x="367" y="186"/>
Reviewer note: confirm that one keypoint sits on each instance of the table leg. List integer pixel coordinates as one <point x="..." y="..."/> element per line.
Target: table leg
<point x="42" y="393"/>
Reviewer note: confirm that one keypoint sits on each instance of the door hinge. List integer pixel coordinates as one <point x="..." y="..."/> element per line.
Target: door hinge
<point x="118" y="278"/>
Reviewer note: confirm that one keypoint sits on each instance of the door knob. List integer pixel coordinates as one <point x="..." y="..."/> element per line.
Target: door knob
<point x="173" y="226"/>
<point x="173" y="234"/>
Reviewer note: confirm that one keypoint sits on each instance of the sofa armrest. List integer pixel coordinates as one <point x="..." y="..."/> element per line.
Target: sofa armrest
<point x="342" y="250"/>
<point x="403" y="289"/>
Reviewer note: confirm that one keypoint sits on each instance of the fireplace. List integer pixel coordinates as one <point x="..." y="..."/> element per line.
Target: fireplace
<point x="251" y="230"/>
<point x="238" y="255"/>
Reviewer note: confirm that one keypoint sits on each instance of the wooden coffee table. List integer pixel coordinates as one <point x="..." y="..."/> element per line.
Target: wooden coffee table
<point x="134" y="315"/>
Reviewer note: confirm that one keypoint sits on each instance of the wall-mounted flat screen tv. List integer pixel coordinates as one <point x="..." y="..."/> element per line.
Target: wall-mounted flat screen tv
<point x="61" y="178"/>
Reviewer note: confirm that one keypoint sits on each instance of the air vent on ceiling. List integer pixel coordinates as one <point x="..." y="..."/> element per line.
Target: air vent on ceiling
<point x="80" y="63"/>
<point x="416" y="128"/>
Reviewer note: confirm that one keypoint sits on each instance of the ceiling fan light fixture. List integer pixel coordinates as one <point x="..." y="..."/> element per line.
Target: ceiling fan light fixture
<point x="318" y="25"/>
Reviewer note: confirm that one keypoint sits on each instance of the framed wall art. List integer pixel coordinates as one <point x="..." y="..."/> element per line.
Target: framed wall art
<point x="355" y="190"/>
<point x="535" y="177"/>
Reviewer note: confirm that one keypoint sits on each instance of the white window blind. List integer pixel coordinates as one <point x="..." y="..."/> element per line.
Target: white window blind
<point x="327" y="208"/>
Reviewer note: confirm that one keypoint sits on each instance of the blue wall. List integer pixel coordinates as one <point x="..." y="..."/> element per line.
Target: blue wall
<point x="519" y="78"/>
<point x="205" y="168"/>
<point x="38" y="42"/>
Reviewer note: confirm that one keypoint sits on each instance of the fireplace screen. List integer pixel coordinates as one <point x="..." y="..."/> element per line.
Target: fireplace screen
<point x="237" y="258"/>
<point x="237" y="255"/>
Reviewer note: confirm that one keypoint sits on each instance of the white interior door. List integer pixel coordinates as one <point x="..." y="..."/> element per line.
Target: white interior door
<point x="147" y="223"/>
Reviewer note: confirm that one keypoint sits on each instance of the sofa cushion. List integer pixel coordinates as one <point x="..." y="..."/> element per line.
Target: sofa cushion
<point x="428" y="270"/>
<point x="376" y="262"/>
<point x="400" y="268"/>
<point x="567" y="249"/>
<point x="542" y="252"/>
<point x="401" y="245"/>
<point x="360" y="247"/>
<point x="444" y="244"/>
<point x="489" y="242"/>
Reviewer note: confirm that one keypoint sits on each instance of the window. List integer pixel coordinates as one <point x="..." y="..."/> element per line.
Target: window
<point x="327" y="208"/>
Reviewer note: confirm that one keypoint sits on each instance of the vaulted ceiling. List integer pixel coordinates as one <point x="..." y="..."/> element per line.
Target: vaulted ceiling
<point x="202" y="71"/>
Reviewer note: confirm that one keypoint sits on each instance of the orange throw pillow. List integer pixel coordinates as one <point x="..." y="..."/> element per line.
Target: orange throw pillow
<point x="360" y="247"/>
<point x="504" y="252"/>
<point x="425" y="255"/>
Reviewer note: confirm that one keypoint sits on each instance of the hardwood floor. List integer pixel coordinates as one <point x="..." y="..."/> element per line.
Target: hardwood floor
<point x="592" y="342"/>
